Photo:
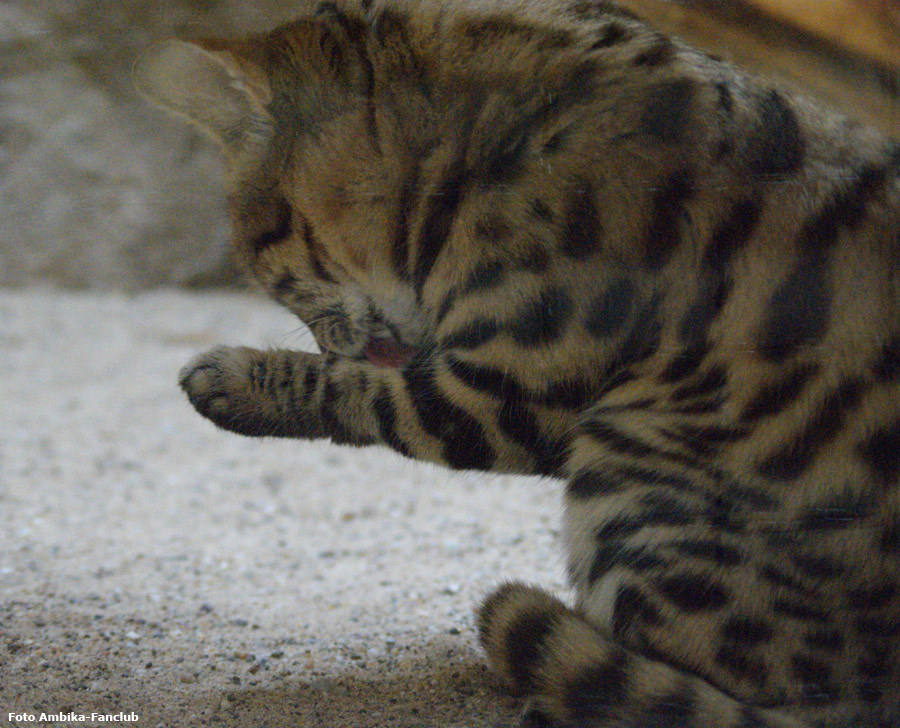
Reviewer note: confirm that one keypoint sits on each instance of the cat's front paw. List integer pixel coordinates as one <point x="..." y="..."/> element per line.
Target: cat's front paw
<point x="223" y="386"/>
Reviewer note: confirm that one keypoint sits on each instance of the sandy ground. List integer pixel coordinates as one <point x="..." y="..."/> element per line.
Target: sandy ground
<point x="152" y="565"/>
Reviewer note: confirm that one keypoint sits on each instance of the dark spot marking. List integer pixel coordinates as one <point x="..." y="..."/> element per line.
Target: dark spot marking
<point x="693" y="593"/>
<point x="817" y="567"/>
<point x="617" y="528"/>
<point x="664" y="232"/>
<point x="747" y="631"/>
<point x="610" y="35"/>
<point x="282" y="229"/>
<point x="660" y="52"/>
<point x="774" y="575"/>
<point x="285" y="285"/>
<point x="726" y="98"/>
<point x="556" y="142"/>
<point x="881" y="453"/>
<point x="505" y="161"/>
<point x="750" y="718"/>
<point x="802" y="612"/>
<point x="590" y="484"/>
<point x="877" y="628"/>
<point x="776" y="397"/>
<point x="611" y="554"/>
<point x="815" y="677"/>
<point x="798" y="454"/>
<point x="581" y="229"/>
<point x="872" y="597"/>
<point x="667" y="114"/>
<point x="841" y="512"/>
<point x="544" y="320"/>
<point x="742" y="664"/>
<point x="608" y="313"/>
<point x="644" y="337"/>
<point x="890" y="538"/>
<point x="598" y="689"/>
<point x="519" y="424"/>
<point x="632" y="606"/>
<point x="830" y="640"/>
<point x="798" y="312"/>
<point x="675" y="710"/>
<point x="485" y="276"/>
<point x="777" y="147"/>
<point x="711" y="550"/>
<point x="542" y="211"/>
<point x="887" y="368"/>
<point x="524" y="643"/>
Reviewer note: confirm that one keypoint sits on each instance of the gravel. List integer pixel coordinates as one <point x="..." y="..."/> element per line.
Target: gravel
<point x="152" y="565"/>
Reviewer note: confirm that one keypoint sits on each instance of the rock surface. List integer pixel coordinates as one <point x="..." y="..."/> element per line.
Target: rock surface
<point x="96" y="187"/>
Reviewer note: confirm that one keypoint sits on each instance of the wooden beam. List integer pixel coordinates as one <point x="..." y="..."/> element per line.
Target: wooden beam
<point x="801" y="44"/>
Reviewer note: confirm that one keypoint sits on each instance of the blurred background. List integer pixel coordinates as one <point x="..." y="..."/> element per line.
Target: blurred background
<point x="97" y="190"/>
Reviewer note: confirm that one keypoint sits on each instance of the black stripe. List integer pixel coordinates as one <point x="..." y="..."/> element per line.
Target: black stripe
<point x="465" y="444"/>
<point x="732" y="235"/>
<point x="386" y="413"/>
<point x="798" y="312"/>
<point x="777" y="147"/>
<point x="798" y="454"/>
<point x="707" y="384"/>
<point x="693" y="593"/>
<point x="505" y="387"/>
<point x="283" y="228"/>
<point x="775" y="398"/>
<point x="313" y="248"/>
<point x="581" y="230"/>
<point x="400" y="239"/>
<point x="711" y="550"/>
<point x="474" y="334"/>
<point x="664" y="233"/>
<point x="437" y="224"/>
<point x="881" y="453"/>
<point x="614" y="554"/>
<point x="847" y="208"/>
<point x="524" y="642"/>
<point x="519" y="424"/>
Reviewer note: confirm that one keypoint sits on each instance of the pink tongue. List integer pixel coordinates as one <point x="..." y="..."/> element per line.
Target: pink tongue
<point x="388" y="352"/>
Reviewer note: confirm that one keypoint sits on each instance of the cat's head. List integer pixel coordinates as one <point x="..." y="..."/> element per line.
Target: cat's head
<point x="321" y="182"/>
<point x="351" y="138"/>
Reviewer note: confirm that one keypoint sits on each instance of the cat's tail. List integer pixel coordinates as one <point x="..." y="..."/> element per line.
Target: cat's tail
<point x="578" y="677"/>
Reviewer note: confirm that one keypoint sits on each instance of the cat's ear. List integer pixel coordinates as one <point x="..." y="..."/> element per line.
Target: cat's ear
<point x="215" y="85"/>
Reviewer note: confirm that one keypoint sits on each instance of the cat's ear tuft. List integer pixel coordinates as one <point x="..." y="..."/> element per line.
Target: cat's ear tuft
<point x="216" y="88"/>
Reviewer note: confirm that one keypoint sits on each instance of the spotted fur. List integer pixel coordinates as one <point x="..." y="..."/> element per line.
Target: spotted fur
<point x="539" y="237"/>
